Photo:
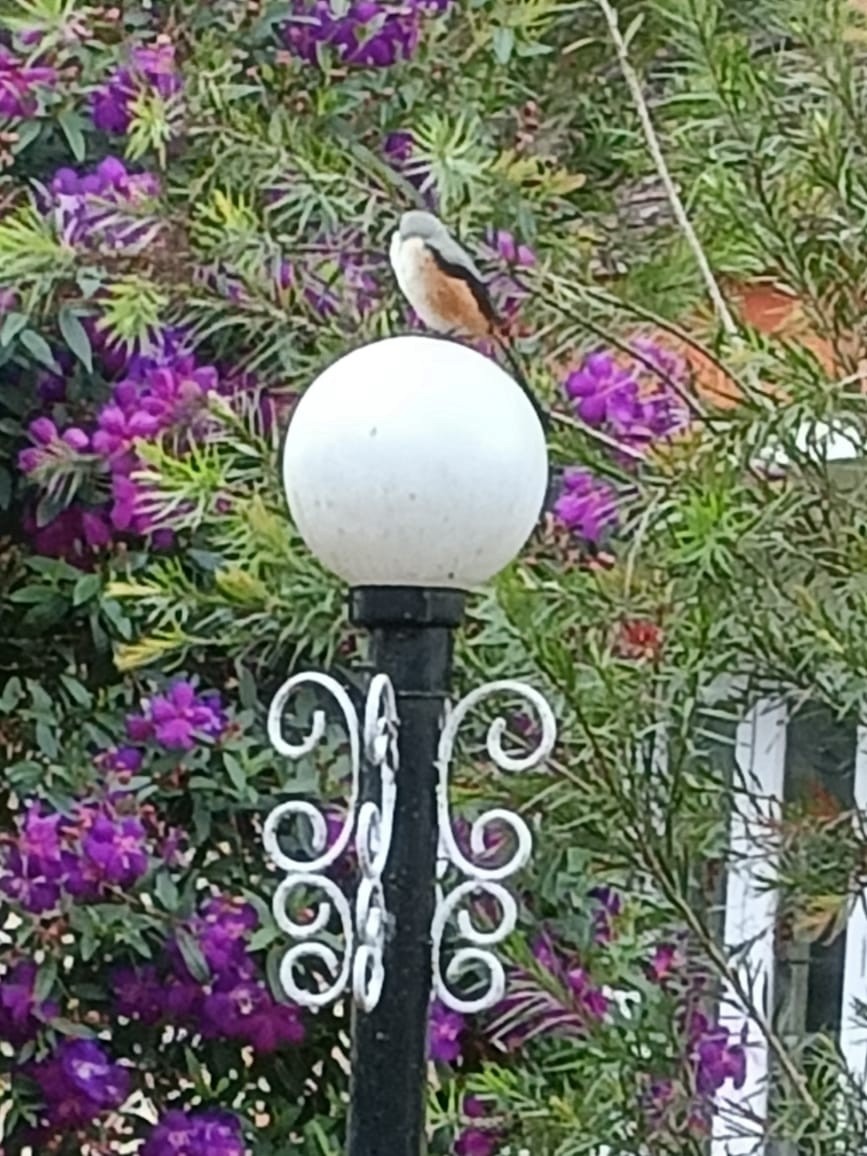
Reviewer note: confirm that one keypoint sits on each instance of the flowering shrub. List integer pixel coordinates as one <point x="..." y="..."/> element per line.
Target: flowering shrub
<point x="195" y="209"/>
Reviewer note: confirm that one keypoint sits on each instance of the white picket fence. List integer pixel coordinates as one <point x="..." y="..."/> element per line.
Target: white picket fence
<point x="750" y="915"/>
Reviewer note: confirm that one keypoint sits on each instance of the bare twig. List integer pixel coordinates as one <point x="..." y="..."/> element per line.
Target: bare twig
<point x="724" y="314"/>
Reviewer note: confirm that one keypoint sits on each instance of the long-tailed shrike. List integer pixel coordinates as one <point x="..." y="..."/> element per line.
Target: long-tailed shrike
<point x="440" y="279"/>
<point x="445" y="288"/>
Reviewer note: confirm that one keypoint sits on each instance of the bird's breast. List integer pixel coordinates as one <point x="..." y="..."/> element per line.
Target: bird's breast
<point x="444" y="303"/>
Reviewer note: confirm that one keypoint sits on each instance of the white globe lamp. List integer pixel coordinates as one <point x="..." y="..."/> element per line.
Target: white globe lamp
<point x="415" y="462"/>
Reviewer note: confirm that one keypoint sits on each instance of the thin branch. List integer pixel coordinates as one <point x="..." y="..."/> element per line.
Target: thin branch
<point x="725" y="315"/>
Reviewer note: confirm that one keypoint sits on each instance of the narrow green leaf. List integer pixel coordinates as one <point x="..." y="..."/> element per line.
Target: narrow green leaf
<point x="192" y="955"/>
<point x="12" y="325"/>
<point x="503" y="40"/>
<point x="36" y="345"/>
<point x="12" y="693"/>
<point x="70" y="1028"/>
<point x="87" y="587"/>
<point x="70" y="122"/>
<point x="235" y="771"/>
<point x="167" y="891"/>
<point x="75" y="336"/>
<point x="76" y="690"/>
<point x="45" y="740"/>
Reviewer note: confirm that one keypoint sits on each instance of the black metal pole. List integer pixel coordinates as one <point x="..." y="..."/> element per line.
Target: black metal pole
<point x="412" y="633"/>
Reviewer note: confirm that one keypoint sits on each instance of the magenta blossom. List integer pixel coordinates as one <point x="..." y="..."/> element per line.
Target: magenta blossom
<point x="368" y="34"/>
<point x="638" y="403"/>
<point x="20" y="1014"/>
<point x="587" y="505"/>
<point x="445" y="1029"/>
<point x="201" y="1133"/>
<point x="179" y="718"/>
<point x="151" y="71"/>
<point x="79" y="1082"/>
<point x="19" y="85"/>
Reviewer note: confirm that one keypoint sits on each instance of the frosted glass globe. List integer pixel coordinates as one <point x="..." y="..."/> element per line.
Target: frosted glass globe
<point x="415" y="461"/>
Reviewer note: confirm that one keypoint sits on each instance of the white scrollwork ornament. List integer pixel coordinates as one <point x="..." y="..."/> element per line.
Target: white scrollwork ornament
<point x="362" y="930"/>
<point x="481" y="880"/>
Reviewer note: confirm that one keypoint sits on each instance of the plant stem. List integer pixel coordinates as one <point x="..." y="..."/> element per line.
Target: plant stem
<point x="633" y="83"/>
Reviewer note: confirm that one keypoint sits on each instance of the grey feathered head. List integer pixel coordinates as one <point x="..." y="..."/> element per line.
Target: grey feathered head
<point x="417" y="223"/>
<point x="431" y="230"/>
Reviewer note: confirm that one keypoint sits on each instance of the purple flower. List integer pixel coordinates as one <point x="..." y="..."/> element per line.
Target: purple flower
<point x="587" y="505"/>
<point x="20" y="1015"/>
<point x="474" y="1108"/>
<point x="104" y="209"/>
<point x="221" y="929"/>
<point x="79" y="1081"/>
<point x="445" y="1029"/>
<point x="19" y="83"/>
<point x="369" y="34"/>
<point x="75" y="534"/>
<point x="151" y="70"/>
<point x="477" y="1142"/>
<point x="636" y="403"/>
<point x="609" y="906"/>
<point x="122" y="760"/>
<point x="399" y="150"/>
<point x="179" y="717"/>
<point x="115" y="850"/>
<point x="139" y="993"/>
<point x="246" y="1011"/>
<point x="208" y="1133"/>
<point x="666" y="958"/>
<point x="511" y="251"/>
<point x="78" y="855"/>
<point x="52" y="451"/>
<point x="715" y="1059"/>
<point x="565" y="1002"/>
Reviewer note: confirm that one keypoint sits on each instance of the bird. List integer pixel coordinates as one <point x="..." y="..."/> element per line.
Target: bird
<point x="445" y="288"/>
<point x="440" y="279"/>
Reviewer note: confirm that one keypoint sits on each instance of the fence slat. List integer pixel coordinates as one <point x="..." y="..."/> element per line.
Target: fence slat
<point x="853" y="1035"/>
<point x="750" y="913"/>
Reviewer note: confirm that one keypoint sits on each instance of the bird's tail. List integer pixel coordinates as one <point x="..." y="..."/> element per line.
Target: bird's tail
<point x="502" y="337"/>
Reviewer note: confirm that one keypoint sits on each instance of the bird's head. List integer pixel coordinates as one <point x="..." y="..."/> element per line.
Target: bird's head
<point x="417" y="223"/>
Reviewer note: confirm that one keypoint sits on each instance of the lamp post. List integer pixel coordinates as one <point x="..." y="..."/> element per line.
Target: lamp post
<point x="415" y="469"/>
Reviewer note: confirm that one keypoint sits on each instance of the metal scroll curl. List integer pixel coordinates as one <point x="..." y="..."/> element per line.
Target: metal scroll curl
<point x="482" y="882"/>
<point x="358" y="961"/>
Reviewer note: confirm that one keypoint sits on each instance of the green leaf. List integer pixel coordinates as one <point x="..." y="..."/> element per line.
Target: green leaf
<point x="26" y="133"/>
<point x="167" y="891"/>
<point x="70" y="122"/>
<point x="112" y="611"/>
<point x="503" y="40"/>
<point x="264" y="937"/>
<point x="36" y="345"/>
<point x="75" y="336"/>
<point x="46" y="978"/>
<point x="12" y="325"/>
<point x="46" y="740"/>
<point x="48" y="509"/>
<point x="192" y="955"/>
<point x="29" y="595"/>
<point x="70" y="1028"/>
<point x="77" y="692"/>
<point x="12" y="693"/>
<point x="88" y="281"/>
<point x="246" y="686"/>
<point x="87" y="587"/>
<point x="40" y="697"/>
<point x="5" y="488"/>
<point x="235" y="771"/>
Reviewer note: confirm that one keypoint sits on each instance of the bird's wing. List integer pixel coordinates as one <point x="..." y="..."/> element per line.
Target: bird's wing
<point x="456" y="262"/>
<point x="454" y="254"/>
